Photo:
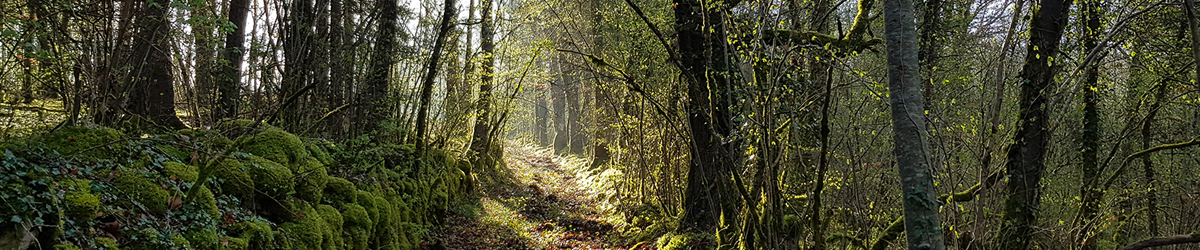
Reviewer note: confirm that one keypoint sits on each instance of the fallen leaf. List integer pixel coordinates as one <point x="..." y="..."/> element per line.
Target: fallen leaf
<point x="176" y="202"/>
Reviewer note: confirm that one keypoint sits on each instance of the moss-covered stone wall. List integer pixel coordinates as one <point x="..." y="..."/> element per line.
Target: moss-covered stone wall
<point x="199" y="189"/>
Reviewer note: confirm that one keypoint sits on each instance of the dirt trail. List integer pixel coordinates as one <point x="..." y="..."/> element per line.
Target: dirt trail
<point x="535" y="202"/>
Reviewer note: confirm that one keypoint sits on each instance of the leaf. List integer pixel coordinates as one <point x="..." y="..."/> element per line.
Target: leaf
<point x="16" y="219"/>
<point x="176" y="202"/>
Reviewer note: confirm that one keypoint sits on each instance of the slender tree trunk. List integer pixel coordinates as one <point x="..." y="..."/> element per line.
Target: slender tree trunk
<point x="930" y="44"/>
<point x="338" y="73"/>
<point x="298" y="59"/>
<point x="204" y="62"/>
<point x="229" y="84"/>
<point x="1026" y="157"/>
<point x="374" y="111"/>
<point x="542" y="113"/>
<point x="819" y="73"/>
<point x="444" y="28"/>
<point x="152" y="93"/>
<point x="1090" y="204"/>
<point x="482" y="137"/>
<point x="558" y="92"/>
<point x="1148" y="163"/>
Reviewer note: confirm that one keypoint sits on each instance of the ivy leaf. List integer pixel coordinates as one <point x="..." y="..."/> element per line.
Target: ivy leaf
<point x="16" y="219"/>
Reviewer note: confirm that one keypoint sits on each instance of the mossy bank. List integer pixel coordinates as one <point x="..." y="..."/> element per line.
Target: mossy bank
<point x="239" y="186"/>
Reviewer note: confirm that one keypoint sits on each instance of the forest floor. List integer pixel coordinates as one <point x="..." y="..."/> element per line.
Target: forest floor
<point x="537" y="200"/>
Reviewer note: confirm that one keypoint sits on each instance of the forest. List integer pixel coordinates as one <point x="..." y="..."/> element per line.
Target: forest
<point x="599" y="124"/>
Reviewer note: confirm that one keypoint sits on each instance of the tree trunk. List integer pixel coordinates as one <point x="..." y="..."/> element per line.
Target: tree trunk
<point x="1090" y="203"/>
<point x="819" y="72"/>
<point x="709" y="196"/>
<point x="541" y="113"/>
<point x="152" y="89"/>
<point x="931" y="27"/>
<point x="338" y="73"/>
<point x="374" y="110"/>
<point x="1148" y="164"/>
<point x="298" y="58"/>
<point x="444" y="28"/>
<point x="1026" y="157"/>
<point x="482" y="137"/>
<point x="230" y="82"/>
<point x="922" y="225"/>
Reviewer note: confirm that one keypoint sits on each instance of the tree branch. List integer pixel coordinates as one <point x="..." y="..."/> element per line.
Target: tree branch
<point x="1164" y="241"/>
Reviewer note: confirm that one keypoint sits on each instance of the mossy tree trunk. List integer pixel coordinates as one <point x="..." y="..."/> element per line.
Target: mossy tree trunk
<point x="709" y="199"/>
<point x="152" y="89"/>
<point x="1090" y="138"/>
<point x="1026" y="157"/>
<point x="374" y="110"/>
<point x="298" y="58"/>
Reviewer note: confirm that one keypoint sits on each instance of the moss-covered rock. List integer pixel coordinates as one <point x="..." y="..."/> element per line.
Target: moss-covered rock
<point x="82" y="204"/>
<point x="92" y="143"/>
<point x="205" y="238"/>
<point x="173" y="152"/>
<point x="66" y="246"/>
<point x="333" y="222"/>
<point x="339" y="191"/>
<point x="104" y="243"/>
<point x="180" y="242"/>
<point x="308" y="230"/>
<point x="257" y="234"/>
<point x="209" y="138"/>
<point x="672" y="241"/>
<point x="270" y="178"/>
<point x="180" y="171"/>
<point x="207" y="202"/>
<point x="233" y="178"/>
<point x="311" y="177"/>
<point x="358" y="225"/>
<point x="140" y="187"/>
<point x="276" y="145"/>
<point x="236" y="244"/>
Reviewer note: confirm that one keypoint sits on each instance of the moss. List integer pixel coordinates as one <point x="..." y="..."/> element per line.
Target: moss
<point x="104" y="243"/>
<point x="339" y="191"/>
<point x="236" y="244"/>
<point x="276" y="145"/>
<point x="672" y="241"/>
<point x="206" y="238"/>
<point x="205" y="201"/>
<point x="181" y="242"/>
<point x="173" y="152"/>
<point x="358" y="225"/>
<point x="306" y="231"/>
<point x="210" y="138"/>
<point x="311" y="178"/>
<point x="257" y="234"/>
<point x="270" y="178"/>
<point x="367" y="200"/>
<point x="180" y="171"/>
<point x="141" y="189"/>
<point x="92" y="143"/>
<point x="233" y="178"/>
<point x="81" y="203"/>
<point x="318" y="149"/>
<point x="66" y="246"/>
<point x="333" y="232"/>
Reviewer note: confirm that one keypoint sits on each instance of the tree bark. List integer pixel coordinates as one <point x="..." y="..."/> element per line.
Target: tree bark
<point x="229" y="84"/>
<point x="152" y="89"/>
<point x="375" y="111"/>
<point x="1164" y="241"/>
<point x="1090" y="139"/>
<point x="1026" y="157"/>
<point x="709" y="196"/>
<point x="482" y="137"/>
<point x="922" y="225"/>
<point x="444" y="28"/>
<point x="298" y="58"/>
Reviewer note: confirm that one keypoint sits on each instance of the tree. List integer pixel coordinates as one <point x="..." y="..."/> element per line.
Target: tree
<point x="1090" y="137"/>
<point x="444" y="28"/>
<point x="152" y="87"/>
<point x="375" y="111"/>
<point x="923" y="227"/>
<point x="706" y="70"/>
<point x="229" y="83"/>
<point x="1027" y="154"/>
<point x="481" y="139"/>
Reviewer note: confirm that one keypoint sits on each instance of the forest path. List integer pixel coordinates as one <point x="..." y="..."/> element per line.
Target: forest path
<point x="538" y="200"/>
